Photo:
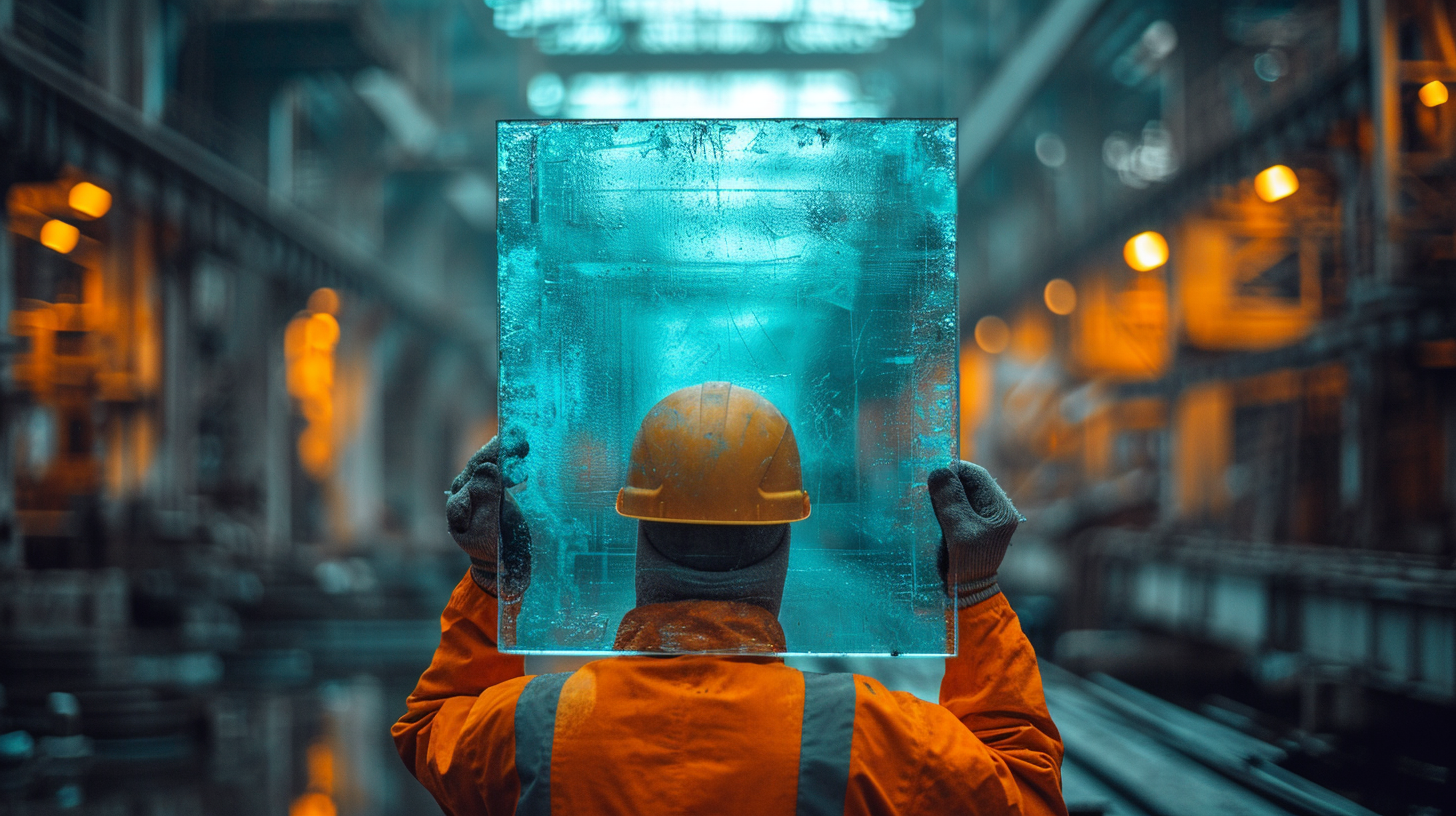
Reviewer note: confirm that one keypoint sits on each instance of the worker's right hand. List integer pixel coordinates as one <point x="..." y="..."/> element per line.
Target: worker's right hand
<point x="486" y="522"/>
<point x="976" y="523"/>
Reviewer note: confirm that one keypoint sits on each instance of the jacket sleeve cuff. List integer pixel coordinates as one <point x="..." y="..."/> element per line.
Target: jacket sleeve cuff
<point x="970" y="593"/>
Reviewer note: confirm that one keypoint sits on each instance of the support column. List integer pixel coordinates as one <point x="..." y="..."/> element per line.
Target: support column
<point x="10" y="542"/>
<point x="179" y="421"/>
<point x="1385" y="159"/>
<point x="1359" y="500"/>
<point x="278" y="443"/>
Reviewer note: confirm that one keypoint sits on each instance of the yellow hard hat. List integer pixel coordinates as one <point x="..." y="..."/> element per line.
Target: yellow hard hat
<point x="714" y="454"/>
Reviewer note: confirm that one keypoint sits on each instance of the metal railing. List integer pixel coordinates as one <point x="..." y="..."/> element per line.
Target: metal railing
<point x="55" y="28"/>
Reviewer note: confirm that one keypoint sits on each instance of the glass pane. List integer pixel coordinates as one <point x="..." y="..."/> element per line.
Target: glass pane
<point x="812" y="261"/>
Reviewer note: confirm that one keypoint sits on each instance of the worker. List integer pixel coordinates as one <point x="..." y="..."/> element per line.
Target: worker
<point x="708" y="721"/>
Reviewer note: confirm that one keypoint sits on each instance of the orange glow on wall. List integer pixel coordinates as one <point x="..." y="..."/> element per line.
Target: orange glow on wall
<point x="1121" y="332"/>
<point x="977" y="388"/>
<point x="1202" y="447"/>
<point x="295" y="338"/>
<point x="318" y="800"/>
<point x="315" y="451"/>
<point x="95" y="346"/>
<point x="992" y="334"/>
<point x="1221" y="304"/>
<point x="59" y="236"/>
<point x="309" y="343"/>
<point x="1275" y="183"/>
<point x="312" y="804"/>
<point x="1145" y="251"/>
<point x="1031" y="335"/>
<point x="1060" y="296"/>
<point x="1434" y="93"/>
<point x="321" y="768"/>
<point x="318" y="411"/>
<point x="89" y="200"/>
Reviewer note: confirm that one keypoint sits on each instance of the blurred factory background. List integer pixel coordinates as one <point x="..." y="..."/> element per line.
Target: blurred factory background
<point x="1209" y="347"/>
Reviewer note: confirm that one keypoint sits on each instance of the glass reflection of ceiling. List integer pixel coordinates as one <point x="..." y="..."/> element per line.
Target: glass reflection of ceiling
<point x="719" y="95"/>
<point x="705" y="26"/>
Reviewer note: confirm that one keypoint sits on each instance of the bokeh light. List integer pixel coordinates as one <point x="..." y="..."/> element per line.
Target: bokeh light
<point x="992" y="334"/>
<point x="1060" y="296"/>
<point x="1434" y="93"/>
<point x="89" y="200"/>
<point x="59" y="235"/>
<point x="1146" y="251"/>
<point x="324" y="300"/>
<point x="1275" y="183"/>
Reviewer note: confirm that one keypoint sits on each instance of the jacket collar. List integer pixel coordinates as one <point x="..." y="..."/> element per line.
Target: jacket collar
<point x="724" y="627"/>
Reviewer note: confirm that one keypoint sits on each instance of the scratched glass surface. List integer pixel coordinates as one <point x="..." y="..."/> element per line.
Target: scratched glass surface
<point x="812" y="261"/>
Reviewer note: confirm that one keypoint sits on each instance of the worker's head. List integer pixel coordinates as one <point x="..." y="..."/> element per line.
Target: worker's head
<point x="714" y="482"/>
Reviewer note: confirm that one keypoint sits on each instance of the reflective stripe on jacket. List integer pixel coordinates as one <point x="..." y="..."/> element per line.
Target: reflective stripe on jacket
<point x="727" y="734"/>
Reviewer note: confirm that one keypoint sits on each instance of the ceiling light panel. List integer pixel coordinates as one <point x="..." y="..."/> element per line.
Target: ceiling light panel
<point x="705" y="26"/>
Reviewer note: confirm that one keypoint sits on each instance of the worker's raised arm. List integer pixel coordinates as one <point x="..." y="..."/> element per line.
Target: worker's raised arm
<point x="466" y="663"/>
<point x="993" y="686"/>
<point x="485" y="522"/>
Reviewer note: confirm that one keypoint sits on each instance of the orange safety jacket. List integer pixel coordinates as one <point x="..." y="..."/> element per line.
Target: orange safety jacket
<point x="698" y="734"/>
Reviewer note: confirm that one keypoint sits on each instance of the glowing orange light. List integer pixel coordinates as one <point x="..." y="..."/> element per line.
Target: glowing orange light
<point x="89" y="200"/>
<point x="324" y="300"/>
<point x="1031" y="334"/>
<point x="1434" y="93"/>
<point x="1145" y="251"/>
<point x="309" y="343"/>
<point x="318" y="374"/>
<point x="318" y="412"/>
<point x="314" y="451"/>
<point x="321" y="768"/>
<point x="310" y="377"/>
<point x="59" y="235"/>
<point x="1275" y="183"/>
<point x="323" y="331"/>
<point x="1060" y="296"/>
<point x="992" y="334"/>
<point x="295" y="337"/>
<point x="296" y="386"/>
<point x="312" y="804"/>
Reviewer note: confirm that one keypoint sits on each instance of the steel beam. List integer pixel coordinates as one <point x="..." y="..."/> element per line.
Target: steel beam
<point x="993" y="113"/>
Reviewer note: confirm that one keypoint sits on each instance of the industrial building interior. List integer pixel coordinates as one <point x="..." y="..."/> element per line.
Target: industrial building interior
<point x="1207" y="347"/>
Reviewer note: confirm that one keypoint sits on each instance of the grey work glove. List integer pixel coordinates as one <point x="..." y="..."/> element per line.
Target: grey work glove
<point x="485" y="520"/>
<point x="976" y="522"/>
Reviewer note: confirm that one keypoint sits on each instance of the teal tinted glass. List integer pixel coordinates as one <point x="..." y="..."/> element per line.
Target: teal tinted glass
<point x="812" y="261"/>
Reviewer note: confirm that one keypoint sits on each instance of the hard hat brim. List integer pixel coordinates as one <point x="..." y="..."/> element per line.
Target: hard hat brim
<point x="634" y="502"/>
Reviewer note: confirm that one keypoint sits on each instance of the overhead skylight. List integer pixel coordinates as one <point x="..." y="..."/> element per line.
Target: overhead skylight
<point x="721" y="95"/>
<point x="705" y="26"/>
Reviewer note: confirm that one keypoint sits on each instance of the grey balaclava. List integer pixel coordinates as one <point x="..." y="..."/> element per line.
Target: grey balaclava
<point x="712" y="562"/>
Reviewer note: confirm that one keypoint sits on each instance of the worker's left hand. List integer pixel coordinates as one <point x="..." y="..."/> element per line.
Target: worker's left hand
<point x="976" y="523"/>
<point x="485" y="520"/>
